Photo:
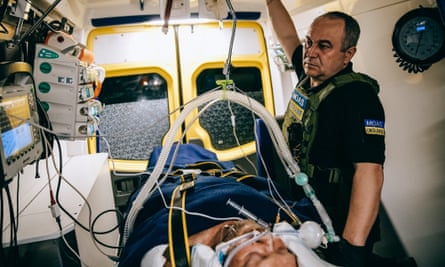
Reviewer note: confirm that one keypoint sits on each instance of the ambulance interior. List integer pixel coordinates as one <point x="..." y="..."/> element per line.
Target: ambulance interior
<point x="112" y="77"/>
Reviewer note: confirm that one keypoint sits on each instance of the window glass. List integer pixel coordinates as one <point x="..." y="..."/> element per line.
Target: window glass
<point x="216" y="120"/>
<point x="135" y="115"/>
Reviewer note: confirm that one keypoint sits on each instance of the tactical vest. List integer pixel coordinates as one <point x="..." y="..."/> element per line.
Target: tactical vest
<point x="302" y="113"/>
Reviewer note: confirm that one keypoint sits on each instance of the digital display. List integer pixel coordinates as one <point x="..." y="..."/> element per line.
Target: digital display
<point x="16" y="132"/>
<point x="420" y="28"/>
<point x="16" y="139"/>
<point x="21" y="142"/>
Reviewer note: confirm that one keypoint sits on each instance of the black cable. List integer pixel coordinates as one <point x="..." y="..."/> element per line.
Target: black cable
<point x="3" y="10"/>
<point x="17" y="201"/>
<point x="87" y="229"/>
<point x="64" y="210"/>
<point x="39" y="21"/>
<point x="37" y="175"/>
<point x="2" y="252"/>
<point x="2" y="16"/>
<point x="120" y="217"/>
<point x="59" y="183"/>
<point x="13" y="255"/>
<point x="12" y="226"/>
<point x="57" y="198"/>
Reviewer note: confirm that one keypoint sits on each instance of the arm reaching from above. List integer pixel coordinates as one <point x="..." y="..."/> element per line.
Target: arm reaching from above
<point x="283" y="26"/>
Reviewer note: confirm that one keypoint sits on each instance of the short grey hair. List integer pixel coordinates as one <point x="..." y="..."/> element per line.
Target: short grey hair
<point x="351" y="30"/>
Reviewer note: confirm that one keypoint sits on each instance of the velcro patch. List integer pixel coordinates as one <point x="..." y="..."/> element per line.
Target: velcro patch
<point x="374" y="127"/>
<point x="299" y="104"/>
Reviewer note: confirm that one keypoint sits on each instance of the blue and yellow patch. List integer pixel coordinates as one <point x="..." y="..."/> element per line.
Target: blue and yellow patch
<point x="374" y="127"/>
<point x="299" y="103"/>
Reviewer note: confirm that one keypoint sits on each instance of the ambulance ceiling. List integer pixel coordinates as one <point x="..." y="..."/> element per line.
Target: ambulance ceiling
<point x="83" y="11"/>
<point x="291" y="4"/>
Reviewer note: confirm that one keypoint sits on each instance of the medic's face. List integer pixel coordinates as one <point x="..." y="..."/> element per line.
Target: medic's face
<point x="323" y="51"/>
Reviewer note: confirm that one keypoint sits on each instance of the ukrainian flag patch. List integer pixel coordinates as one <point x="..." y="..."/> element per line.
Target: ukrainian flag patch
<point x="299" y="103"/>
<point x="374" y="127"/>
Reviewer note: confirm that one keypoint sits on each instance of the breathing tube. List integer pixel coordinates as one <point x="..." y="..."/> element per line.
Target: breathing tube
<point x="289" y="164"/>
<point x="302" y="180"/>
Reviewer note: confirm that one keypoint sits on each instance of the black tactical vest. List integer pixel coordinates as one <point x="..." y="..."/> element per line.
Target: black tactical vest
<point x="301" y="117"/>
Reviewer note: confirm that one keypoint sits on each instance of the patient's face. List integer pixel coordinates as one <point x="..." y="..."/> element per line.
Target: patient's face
<point x="250" y="246"/>
<point x="267" y="251"/>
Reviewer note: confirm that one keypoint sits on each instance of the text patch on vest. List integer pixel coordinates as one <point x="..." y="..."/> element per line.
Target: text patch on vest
<point x="299" y="103"/>
<point x="374" y="127"/>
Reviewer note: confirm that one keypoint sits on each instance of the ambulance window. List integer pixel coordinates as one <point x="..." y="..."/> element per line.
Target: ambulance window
<point x="135" y="116"/>
<point x="216" y="120"/>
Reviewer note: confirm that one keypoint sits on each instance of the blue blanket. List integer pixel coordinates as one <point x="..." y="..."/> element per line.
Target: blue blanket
<point x="209" y="196"/>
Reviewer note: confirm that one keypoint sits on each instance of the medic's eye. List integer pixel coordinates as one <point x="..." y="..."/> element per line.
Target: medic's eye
<point x="307" y="43"/>
<point x="322" y="45"/>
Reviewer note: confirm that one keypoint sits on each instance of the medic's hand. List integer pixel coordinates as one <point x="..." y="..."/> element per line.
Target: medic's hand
<point x="350" y="255"/>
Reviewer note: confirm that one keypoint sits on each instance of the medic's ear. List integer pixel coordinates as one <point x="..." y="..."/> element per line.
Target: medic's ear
<point x="349" y="53"/>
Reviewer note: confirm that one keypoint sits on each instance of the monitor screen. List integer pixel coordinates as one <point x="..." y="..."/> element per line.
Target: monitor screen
<point x="20" y="138"/>
<point x="16" y="132"/>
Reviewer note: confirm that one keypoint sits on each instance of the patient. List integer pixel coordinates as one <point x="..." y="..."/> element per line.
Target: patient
<point x="218" y="234"/>
<point x="252" y="245"/>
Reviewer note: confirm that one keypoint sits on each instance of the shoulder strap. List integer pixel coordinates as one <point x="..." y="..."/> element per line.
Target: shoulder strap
<point x="355" y="77"/>
<point x="309" y="121"/>
<point x="179" y="250"/>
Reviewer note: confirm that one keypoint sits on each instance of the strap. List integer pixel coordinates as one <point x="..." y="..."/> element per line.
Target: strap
<point x="333" y="175"/>
<point x="356" y="77"/>
<point x="216" y="169"/>
<point x="179" y="250"/>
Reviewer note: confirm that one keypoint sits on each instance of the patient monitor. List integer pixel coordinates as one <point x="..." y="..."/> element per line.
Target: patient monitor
<point x="20" y="139"/>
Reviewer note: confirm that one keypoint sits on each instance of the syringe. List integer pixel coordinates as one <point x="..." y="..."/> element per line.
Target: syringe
<point x="245" y="213"/>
